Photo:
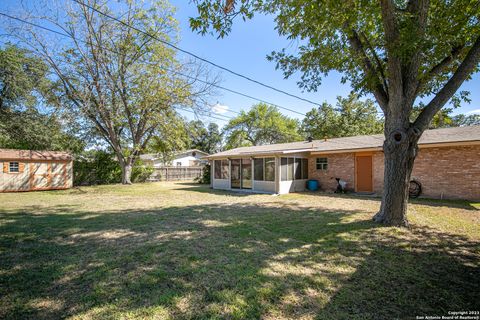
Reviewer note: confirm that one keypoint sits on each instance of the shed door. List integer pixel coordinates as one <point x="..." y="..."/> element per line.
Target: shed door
<point x="364" y="173"/>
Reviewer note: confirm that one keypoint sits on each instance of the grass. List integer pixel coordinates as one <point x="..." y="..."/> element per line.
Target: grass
<point x="183" y="251"/>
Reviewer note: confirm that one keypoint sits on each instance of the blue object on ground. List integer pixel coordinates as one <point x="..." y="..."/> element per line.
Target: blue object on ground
<point x="312" y="185"/>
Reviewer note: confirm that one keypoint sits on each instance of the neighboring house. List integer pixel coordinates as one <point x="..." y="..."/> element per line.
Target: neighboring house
<point x="187" y="158"/>
<point x="447" y="164"/>
<point x="27" y="170"/>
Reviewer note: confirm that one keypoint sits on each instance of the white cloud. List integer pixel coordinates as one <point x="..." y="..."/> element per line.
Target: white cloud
<point x="218" y="108"/>
<point x="476" y="111"/>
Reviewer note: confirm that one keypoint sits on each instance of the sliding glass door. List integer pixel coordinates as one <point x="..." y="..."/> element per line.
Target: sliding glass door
<point x="235" y="174"/>
<point x="241" y="173"/>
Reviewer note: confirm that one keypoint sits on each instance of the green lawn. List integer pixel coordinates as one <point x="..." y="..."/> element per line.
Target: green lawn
<point x="183" y="251"/>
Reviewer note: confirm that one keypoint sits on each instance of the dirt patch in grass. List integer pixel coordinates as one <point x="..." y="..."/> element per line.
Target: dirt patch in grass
<point x="180" y="251"/>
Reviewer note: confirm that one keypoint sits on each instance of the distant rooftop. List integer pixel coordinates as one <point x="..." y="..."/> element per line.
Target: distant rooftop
<point x="447" y="135"/>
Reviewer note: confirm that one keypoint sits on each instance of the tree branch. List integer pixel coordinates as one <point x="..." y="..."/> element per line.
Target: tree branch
<point x="467" y="66"/>
<point x="379" y="91"/>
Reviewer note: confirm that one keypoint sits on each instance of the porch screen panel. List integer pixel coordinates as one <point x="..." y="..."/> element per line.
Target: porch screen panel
<point x="284" y="168"/>
<point x="297" y="168"/>
<point x="269" y="169"/>
<point x="225" y="169"/>
<point x="218" y="169"/>
<point x="290" y="169"/>
<point x="258" y="169"/>
<point x="304" y="168"/>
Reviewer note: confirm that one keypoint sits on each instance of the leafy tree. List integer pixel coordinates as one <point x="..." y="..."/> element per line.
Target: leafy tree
<point x="24" y="86"/>
<point x="119" y="81"/>
<point x="396" y="50"/>
<point x="262" y="124"/>
<point x="208" y="139"/>
<point x="23" y="78"/>
<point x="351" y="117"/>
<point x="463" y="120"/>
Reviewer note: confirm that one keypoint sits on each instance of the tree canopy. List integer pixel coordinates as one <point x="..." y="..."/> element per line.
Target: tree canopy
<point x="24" y="88"/>
<point x="122" y="82"/>
<point x="206" y="138"/>
<point x="261" y="124"/>
<point x="350" y="117"/>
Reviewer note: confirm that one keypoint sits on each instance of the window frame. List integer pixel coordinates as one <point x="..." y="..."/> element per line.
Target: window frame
<point x="321" y="165"/>
<point x="10" y="166"/>
<point x="224" y="173"/>
<point x="255" y="167"/>
<point x="271" y="159"/>
<point x="217" y="169"/>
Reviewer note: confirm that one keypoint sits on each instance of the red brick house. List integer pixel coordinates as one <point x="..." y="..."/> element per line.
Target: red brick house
<point x="447" y="165"/>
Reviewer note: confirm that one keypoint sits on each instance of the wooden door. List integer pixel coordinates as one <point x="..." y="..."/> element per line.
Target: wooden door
<point x="364" y="173"/>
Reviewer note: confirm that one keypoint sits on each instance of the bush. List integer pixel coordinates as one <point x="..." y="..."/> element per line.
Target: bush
<point x="101" y="167"/>
<point x="141" y="172"/>
<point x="96" y="167"/>
<point x="205" y="177"/>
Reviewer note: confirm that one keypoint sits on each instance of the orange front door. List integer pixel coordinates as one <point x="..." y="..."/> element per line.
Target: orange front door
<point x="364" y="173"/>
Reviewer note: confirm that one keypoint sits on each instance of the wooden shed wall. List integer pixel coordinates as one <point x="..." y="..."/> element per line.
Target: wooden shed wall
<point x="36" y="175"/>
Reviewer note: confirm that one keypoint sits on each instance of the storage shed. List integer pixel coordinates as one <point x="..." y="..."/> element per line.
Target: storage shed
<point x="28" y="170"/>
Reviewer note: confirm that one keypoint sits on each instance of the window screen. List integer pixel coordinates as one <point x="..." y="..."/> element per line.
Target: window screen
<point x="297" y="168"/>
<point x="304" y="168"/>
<point x="269" y="169"/>
<point x="290" y="169"/>
<point x="225" y="168"/>
<point x="218" y="169"/>
<point x="284" y="168"/>
<point x="258" y="169"/>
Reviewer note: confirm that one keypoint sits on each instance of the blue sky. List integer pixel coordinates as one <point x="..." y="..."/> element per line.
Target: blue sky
<point x="244" y="51"/>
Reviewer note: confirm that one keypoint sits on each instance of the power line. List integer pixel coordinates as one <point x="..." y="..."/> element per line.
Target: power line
<point x="168" y="69"/>
<point x="193" y="54"/>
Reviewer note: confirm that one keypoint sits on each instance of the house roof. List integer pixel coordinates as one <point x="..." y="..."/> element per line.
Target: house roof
<point x="445" y="136"/>
<point x="14" y="154"/>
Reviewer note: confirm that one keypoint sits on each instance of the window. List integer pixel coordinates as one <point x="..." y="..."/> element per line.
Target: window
<point x="322" y="164"/>
<point x="14" y="167"/>
<point x="294" y="169"/>
<point x="297" y="169"/>
<point x="269" y="169"/>
<point x="283" y="166"/>
<point x="304" y="168"/>
<point x="258" y="169"/>
<point x="179" y="164"/>
<point x="264" y="169"/>
<point x="225" y="169"/>
<point x="290" y="169"/>
<point x="218" y="169"/>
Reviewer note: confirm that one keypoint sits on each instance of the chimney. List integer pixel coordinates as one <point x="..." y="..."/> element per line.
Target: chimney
<point x="310" y="139"/>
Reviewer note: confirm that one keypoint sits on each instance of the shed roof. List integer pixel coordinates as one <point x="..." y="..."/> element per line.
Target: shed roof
<point x="447" y="135"/>
<point x="14" y="154"/>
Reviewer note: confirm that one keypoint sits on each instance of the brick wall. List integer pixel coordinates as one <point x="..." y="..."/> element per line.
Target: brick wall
<point x="340" y="165"/>
<point x="448" y="172"/>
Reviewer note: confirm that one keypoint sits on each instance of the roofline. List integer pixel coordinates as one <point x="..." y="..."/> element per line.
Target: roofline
<point x="313" y="152"/>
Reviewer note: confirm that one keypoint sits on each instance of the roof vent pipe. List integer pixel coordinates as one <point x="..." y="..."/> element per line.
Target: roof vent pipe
<point x="310" y="139"/>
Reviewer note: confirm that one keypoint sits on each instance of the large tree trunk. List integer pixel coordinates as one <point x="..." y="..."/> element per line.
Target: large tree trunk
<point x="127" y="166"/>
<point x="400" y="149"/>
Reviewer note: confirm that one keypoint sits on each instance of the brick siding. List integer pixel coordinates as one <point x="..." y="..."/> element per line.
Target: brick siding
<point x="448" y="172"/>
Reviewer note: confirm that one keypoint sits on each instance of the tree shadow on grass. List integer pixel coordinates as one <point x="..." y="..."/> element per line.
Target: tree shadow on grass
<point x="237" y="261"/>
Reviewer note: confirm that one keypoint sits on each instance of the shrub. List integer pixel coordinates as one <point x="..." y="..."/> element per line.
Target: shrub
<point x="205" y="177"/>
